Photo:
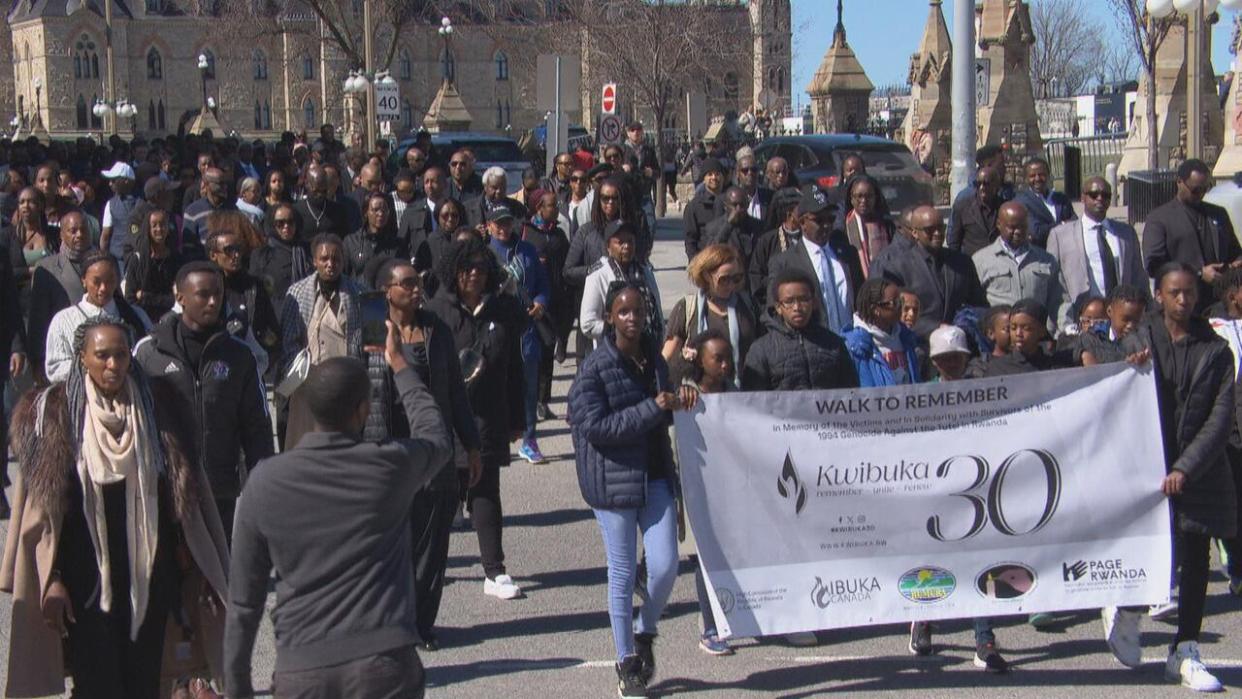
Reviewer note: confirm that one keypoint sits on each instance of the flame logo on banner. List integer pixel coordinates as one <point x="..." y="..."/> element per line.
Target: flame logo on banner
<point x="790" y="486"/>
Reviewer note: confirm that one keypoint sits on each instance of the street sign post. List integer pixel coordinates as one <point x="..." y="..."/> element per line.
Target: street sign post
<point x="557" y="86"/>
<point x="608" y="103"/>
<point x="983" y="81"/>
<point x="387" y="101"/>
<point x="610" y="129"/>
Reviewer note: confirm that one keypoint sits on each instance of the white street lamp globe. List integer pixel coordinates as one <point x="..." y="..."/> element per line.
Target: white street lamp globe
<point x="388" y="80"/>
<point x="1185" y="5"/>
<point x="38" y="83"/>
<point x="211" y="102"/>
<point x="202" y="61"/>
<point x="448" y="29"/>
<point x="445" y="22"/>
<point x="350" y="85"/>
<point x="14" y="121"/>
<point x="1159" y="8"/>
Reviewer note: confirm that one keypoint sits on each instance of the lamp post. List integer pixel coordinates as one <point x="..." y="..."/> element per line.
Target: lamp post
<point x="446" y="32"/>
<point x="1197" y="14"/>
<point x="101" y="110"/>
<point x="203" y="65"/>
<point x="128" y="111"/>
<point x="358" y="85"/>
<point x="38" y="117"/>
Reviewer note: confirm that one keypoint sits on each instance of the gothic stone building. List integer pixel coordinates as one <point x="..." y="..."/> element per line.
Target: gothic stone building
<point x="293" y="81"/>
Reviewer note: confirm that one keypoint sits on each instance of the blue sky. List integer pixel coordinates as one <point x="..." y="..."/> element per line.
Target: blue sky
<point x="885" y="32"/>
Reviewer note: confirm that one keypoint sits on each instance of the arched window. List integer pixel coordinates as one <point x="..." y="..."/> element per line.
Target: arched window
<point x="508" y="114"/>
<point x="260" y="65"/>
<point x="405" y="68"/>
<point x="155" y="64"/>
<point x="308" y="114"/>
<point x="502" y="66"/>
<point x="407" y="114"/>
<point x="308" y="67"/>
<point x="85" y="58"/>
<point x="730" y="86"/>
<point x="267" y="115"/>
<point x="96" y="122"/>
<point x="500" y="115"/>
<point x="211" y="64"/>
<point x="448" y="68"/>
<point x="159" y="111"/>
<point x="83" y="121"/>
<point x="780" y="81"/>
<point x="155" y="7"/>
<point x="152" y="124"/>
<point x="258" y="115"/>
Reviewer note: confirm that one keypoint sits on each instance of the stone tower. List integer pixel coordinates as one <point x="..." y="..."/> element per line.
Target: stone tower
<point x="771" y="26"/>
<point x="929" y="123"/>
<point x="1005" y="40"/>
<point x="1230" y="160"/>
<point x="840" y="90"/>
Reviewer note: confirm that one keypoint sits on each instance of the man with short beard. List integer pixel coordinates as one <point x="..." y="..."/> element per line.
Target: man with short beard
<point x="217" y="382"/>
<point x="737" y="227"/>
<point x="56" y="284"/>
<point x="319" y="211"/>
<point x="464" y="183"/>
<point x="216" y="198"/>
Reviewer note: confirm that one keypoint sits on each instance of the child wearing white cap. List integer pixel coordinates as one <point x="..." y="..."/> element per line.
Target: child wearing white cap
<point x="116" y="237"/>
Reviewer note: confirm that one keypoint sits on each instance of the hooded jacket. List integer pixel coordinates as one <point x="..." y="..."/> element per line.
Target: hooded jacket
<point x="613" y="421"/>
<point x="224" y="394"/>
<point x="785" y="359"/>
<point x="40" y="497"/>
<point x="869" y="361"/>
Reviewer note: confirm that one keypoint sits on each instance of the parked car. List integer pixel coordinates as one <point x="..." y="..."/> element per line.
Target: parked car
<point x="488" y="150"/>
<point x="817" y="160"/>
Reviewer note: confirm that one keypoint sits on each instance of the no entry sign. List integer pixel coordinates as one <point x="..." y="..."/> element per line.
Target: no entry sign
<point x="609" y="102"/>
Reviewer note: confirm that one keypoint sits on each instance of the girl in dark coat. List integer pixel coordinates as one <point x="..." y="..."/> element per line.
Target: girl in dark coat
<point x="429" y="349"/>
<point x="152" y="267"/>
<point x="487" y="328"/>
<point x="620" y="407"/>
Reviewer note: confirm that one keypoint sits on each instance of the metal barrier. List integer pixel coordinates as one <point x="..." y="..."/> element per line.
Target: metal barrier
<point x="1147" y="189"/>
<point x="1095" y="153"/>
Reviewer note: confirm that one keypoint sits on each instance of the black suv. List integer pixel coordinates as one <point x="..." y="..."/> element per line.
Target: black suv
<point x="817" y="160"/>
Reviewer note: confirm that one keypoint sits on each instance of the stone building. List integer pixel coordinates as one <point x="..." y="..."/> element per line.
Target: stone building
<point x="1008" y="115"/>
<point x="840" y="90"/>
<point x="928" y="126"/>
<point x="291" y="80"/>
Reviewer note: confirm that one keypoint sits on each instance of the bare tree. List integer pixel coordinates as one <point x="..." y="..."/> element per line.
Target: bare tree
<point x="1066" y="47"/>
<point x="1118" y="64"/>
<point x="1145" y="34"/>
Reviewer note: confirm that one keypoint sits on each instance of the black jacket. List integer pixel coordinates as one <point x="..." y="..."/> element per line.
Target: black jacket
<point x="971" y="227"/>
<point x="477" y="208"/>
<point x="1198" y="416"/>
<point x="446" y="386"/>
<point x="278" y="265"/>
<point x="743" y="235"/>
<point x="787" y="360"/>
<point x="553" y="248"/>
<point x="767" y="247"/>
<point x="497" y="394"/>
<point x="585" y="249"/>
<point x="250" y="308"/>
<point x="1041" y="219"/>
<point x="944" y="282"/>
<point x="365" y="253"/>
<point x="332" y="218"/>
<point x="55" y="285"/>
<point x="154" y="278"/>
<point x="224" y="394"/>
<point x="1172" y="233"/>
<point x="473" y="187"/>
<point x="704" y="208"/>
<point x="416" y="221"/>
<point x="12" y="333"/>
<point x="796" y="257"/>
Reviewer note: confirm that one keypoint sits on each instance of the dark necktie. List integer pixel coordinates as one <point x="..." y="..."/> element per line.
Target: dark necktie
<point x="1106" y="259"/>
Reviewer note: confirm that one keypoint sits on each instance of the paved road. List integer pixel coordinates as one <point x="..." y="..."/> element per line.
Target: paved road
<point x="555" y="642"/>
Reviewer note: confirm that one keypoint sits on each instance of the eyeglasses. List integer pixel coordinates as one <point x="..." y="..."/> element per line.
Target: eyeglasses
<point x="613" y="198"/>
<point x="408" y="283"/>
<point x="457" y="163"/>
<point x="231" y="250"/>
<point x="748" y="170"/>
<point x="576" y="179"/>
<point x="1097" y="194"/>
<point x="731" y="278"/>
<point x="795" y="302"/>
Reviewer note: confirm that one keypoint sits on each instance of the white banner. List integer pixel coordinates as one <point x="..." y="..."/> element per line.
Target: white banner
<point x="828" y="509"/>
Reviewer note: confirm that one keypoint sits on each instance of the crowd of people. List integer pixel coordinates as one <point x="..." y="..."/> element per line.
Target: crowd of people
<point x="190" y="367"/>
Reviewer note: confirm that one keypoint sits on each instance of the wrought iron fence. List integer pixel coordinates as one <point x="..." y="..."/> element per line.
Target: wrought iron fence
<point x="1095" y="152"/>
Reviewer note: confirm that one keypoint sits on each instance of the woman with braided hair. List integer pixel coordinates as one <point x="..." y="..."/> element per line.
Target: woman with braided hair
<point x="114" y="533"/>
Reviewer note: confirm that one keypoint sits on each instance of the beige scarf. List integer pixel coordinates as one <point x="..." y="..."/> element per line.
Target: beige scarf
<point x="113" y="450"/>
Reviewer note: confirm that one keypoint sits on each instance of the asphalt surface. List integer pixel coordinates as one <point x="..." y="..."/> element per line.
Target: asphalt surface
<point x="555" y="641"/>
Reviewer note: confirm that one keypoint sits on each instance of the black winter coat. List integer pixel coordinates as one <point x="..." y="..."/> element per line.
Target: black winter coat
<point x="944" y="283"/>
<point x="613" y="420"/>
<point x="497" y="394"/>
<point x="788" y="360"/>
<point x="704" y="208"/>
<point x="225" y="396"/>
<point x="585" y="249"/>
<point x="366" y="253"/>
<point x="445" y="384"/>
<point x="1202" y="417"/>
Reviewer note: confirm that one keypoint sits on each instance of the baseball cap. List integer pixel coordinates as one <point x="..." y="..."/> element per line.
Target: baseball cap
<point x="814" y="200"/>
<point x="617" y="227"/>
<point x="948" y="339"/>
<point x="118" y="170"/>
<point x="500" y="213"/>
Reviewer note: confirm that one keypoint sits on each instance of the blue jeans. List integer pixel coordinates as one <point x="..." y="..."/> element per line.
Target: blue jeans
<point x="530" y="373"/>
<point x="657" y="519"/>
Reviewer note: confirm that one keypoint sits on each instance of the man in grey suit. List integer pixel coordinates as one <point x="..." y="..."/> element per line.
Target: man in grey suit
<point x="56" y="284"/>
<point x="1077" y="246"/>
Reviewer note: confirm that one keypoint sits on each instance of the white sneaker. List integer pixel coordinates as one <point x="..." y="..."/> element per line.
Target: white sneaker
<point x="802" y="639"/>
<point x="1163" y="612"/>
<point x="1185" y="666"/>
<point x="502" y="587"/>
<point x="1121" y="631"/>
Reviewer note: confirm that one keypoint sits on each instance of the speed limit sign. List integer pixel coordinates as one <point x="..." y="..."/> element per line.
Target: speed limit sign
<point x="609" y="129"/>
<point x="387" y="101"/>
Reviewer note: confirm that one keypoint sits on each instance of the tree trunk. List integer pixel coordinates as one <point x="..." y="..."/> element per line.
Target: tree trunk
<point x="660" y="194"/>
<point x="1149" y="116"/>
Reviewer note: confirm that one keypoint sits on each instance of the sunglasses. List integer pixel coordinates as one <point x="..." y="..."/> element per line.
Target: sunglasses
<point x="611" y="198"/>
<point x="731" y="278"/>
<point x="283" y="222"/>
<point x="576" y="179"/>
<point x="231" y="250"/>
<point x="457" y="163"/>
<point x="748" y="170"/>
<point x="1097" y="194"/>
<point x="408" y="283"/>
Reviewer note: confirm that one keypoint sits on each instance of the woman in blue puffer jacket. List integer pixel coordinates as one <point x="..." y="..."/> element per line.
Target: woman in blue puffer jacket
<point x="619" y="412"/>
<point x="884" y="351"/>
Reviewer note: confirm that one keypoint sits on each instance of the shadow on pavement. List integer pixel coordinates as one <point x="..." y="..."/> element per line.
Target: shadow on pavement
<point x="442" y="676"/>
<point x="551" y="518"/>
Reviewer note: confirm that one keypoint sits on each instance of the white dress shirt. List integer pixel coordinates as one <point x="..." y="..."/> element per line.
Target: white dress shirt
<point x="1091" y="244"/>
<point x="833" y="282"/>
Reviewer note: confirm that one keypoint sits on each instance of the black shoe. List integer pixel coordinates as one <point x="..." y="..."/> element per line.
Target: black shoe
<point x="430" y="644"/>
<point x="544" y="412"/>
<point x="921" y="639"/>
<point x="560" y="354"/>
<point x="988" y="658"/>
<point x="644" y="647"/>
<point x="5" y="510"/>
<point x="630" y="684"/>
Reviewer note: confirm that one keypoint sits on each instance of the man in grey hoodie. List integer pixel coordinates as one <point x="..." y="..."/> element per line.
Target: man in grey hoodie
<point x="331" y="517"/>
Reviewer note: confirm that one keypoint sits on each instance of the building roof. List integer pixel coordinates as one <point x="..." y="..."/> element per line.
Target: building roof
<point x="1005" y="20"/>
<point x="25" y="10"/>
<point x="931" y="62"/>
<point x="840" y="70"/>
<point x="448" y="112"/>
